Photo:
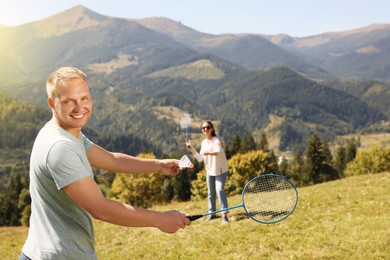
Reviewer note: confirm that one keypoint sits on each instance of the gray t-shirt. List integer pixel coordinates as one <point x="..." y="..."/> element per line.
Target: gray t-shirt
<point x="59" y="228"/>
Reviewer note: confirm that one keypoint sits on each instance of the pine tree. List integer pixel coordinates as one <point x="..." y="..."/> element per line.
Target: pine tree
<point x="263" y="142"/>
<point x="328" y="171"/>
<point x="295" y="168"/>
<point x="340" y="160"/>
<point x="9" y="212"/>
<point x="315" y="159"/>
<point x="283" y="167"/>
<point x="247" y="144"/>
<point x="350" y="150"/>
<point x="234" y="146"/>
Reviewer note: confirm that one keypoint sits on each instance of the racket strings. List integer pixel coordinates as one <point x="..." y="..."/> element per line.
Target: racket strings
<point x="269" y="199"/>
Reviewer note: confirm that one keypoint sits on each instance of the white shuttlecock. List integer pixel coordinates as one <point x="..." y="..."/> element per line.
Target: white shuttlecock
<point x="185" y="162"/>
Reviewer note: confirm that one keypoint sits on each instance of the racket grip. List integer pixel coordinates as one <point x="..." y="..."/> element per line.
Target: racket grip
<point x="194" y="217"/>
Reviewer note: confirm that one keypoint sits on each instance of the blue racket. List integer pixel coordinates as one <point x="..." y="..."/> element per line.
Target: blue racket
<point x="267" y="199"/>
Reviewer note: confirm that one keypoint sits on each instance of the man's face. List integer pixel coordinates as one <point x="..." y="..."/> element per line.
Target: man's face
<point x="72" y="105"/>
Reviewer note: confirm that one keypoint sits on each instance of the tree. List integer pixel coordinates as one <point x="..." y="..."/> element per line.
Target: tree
<point x="350" y="150"/>
<point x="295" y="168"/>
<point x="24" y="206"/>
<point x="247" y="144"/>
<point x="141" y="190"/>
<point x="340" y="160"/>
<point x="315" y="158"/>
<point x="234" y="146"/>
<point x="263" y="142"/>
<point x="283" y="167"/>
<point x="374" y="160"/>
<point x="182" y="186"/>
<point x="243" y="167"/>
<point x="328" y="171"/>
<point x="199" y="186"/>
<point x="10" y="213"/>
<point x="318" y="162"/>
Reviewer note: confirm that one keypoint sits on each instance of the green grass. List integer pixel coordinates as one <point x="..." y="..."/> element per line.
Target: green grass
<point x="368" y="140"/>
<point x="344" y="219"/>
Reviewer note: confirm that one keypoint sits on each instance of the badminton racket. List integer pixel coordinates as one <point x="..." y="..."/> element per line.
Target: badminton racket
<point x="185" y="121"/>
<point x="267" y="199"/>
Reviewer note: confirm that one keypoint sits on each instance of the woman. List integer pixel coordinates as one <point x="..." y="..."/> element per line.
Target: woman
<point x="213" y="154"/>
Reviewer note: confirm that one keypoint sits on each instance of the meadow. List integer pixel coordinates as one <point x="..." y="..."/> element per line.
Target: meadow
<point x="368" y="140"/>
<point x="343" y="219"/>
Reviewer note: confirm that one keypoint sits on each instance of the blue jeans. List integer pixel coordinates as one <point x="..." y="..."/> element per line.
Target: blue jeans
<point x="216" y="186"/>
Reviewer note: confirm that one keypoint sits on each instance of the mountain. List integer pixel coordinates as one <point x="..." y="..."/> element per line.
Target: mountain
<point x="362" y="53"/>
<point x="359" y="53"/>
<point x="248" y="50"/>
<point x="142" y="77"/>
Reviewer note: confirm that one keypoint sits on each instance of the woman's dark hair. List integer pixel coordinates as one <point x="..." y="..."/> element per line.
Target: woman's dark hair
<point x="212" y="127"/>
<point x="213" y="131"/>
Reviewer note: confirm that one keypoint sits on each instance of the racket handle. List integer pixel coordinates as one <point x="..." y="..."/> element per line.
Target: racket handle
<point x="194" y="217"/>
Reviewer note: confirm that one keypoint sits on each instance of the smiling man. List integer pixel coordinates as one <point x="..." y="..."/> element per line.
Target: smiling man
<point x="64" y="194"/>
<point x="69" y="99"/>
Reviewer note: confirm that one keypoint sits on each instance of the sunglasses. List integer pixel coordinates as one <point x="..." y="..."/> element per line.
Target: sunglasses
<point x="206" y="127"/>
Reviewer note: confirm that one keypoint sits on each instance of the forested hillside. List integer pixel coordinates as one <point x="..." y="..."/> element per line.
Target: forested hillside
<point x="374" y="93"/>
<point x="133" y="70"/>
<point x="19" y="122"/>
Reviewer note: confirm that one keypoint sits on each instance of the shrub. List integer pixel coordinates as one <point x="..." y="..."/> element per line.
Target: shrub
<point x="242" y="168"/>
<point x="140" y="190"/>
<point x="199" y="186"/>
<point x="374" y="160"/>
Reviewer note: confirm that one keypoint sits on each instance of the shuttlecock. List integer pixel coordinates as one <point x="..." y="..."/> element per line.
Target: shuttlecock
<point x="185" y="162"/>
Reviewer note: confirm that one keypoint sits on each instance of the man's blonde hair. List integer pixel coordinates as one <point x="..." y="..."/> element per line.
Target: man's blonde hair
<point x="61" y="75"/>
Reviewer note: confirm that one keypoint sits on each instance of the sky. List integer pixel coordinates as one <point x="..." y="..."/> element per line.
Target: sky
<point x="298" y="18"/>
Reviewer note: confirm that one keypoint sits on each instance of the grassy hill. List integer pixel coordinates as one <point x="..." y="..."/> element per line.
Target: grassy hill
<point x="344" y="219"/>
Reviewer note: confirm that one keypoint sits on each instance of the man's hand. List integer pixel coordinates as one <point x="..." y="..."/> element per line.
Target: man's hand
<point x="173" y="220"/>
<point x="169" y="167"/>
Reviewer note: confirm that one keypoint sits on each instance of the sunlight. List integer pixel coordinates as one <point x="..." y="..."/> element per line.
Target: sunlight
<point x="19" y="12"/>
<point x="11" y="14"/>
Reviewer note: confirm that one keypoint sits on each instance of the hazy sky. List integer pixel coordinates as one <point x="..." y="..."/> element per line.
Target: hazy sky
<point x="293" y="17"/>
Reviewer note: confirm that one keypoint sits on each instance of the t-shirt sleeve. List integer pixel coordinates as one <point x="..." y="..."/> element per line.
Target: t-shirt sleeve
<point x="86" y="142"/>
<point x="66" y="165"/>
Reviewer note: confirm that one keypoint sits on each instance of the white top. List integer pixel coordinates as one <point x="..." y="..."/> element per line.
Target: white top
<point x="215" y="164"/>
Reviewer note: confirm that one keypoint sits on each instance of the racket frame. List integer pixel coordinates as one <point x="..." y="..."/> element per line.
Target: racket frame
<point x="187" y="122"/>
<point x="194" y="217"/>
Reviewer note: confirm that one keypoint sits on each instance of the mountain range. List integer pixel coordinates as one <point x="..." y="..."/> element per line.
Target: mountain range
<point x="144" y="72"/>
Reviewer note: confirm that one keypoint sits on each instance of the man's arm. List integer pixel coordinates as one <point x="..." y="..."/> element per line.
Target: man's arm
<point x="87" y="194"/>
<point x="118" y="162"/>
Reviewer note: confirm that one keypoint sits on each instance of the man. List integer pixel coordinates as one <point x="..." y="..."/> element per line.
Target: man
<point x="63" y="192"/>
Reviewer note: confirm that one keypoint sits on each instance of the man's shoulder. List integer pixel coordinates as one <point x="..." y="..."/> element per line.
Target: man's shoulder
<point x="49" y="137"/>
